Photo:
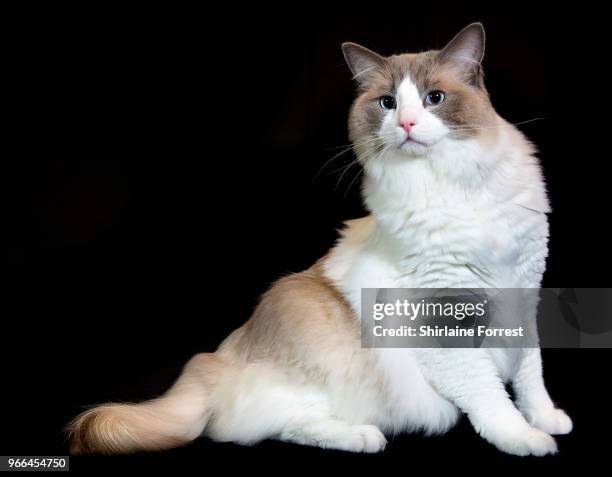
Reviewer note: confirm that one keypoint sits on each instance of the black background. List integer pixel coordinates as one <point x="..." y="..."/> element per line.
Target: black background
<point x="161" y="175"/>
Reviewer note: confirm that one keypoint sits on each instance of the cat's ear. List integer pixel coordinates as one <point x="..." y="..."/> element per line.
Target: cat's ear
<point x="466" y="51"/>
<point x="361" y="61"/>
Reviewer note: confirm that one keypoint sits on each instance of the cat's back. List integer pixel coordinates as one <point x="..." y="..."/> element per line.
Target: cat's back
<point x="302" y="318"/>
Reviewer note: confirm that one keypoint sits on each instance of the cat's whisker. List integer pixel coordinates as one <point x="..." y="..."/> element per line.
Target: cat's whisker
<point x="352" y="182"/>
<point x="360" y="173"/>
<point x="356" y="161"/>
<point x="370" y="150"/>
<point x="473" y="127"/>
<point x="329" y="161"/>
<point x="346" y="149"/>
<point x="379" y="147"/>
<point x="345" y="170"/>
<point x="367" y="140"/>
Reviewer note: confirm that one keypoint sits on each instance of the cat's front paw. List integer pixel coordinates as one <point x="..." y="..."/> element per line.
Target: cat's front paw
<point x="529" y="442"/>
<point x="552" y="421"/>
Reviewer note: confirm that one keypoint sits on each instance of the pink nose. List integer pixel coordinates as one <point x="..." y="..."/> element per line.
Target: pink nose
<point x="408" y="124"/>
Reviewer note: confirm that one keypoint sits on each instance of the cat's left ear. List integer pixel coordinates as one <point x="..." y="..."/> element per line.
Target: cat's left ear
<point x="466" y="51"/>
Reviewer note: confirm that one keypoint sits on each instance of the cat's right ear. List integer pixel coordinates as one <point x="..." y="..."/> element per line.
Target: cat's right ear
<point x="361" y="61"/>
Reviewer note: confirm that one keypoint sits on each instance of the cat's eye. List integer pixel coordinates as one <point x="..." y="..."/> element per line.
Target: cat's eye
<point x="387" y="102"/>
<point x="434" y="98"/>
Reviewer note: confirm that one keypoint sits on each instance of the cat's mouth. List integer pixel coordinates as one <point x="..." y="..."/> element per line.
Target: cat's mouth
<point x="410" y="143"/>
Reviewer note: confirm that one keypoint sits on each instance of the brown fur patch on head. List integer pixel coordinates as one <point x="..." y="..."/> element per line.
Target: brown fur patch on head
<point x="454" y="70"/>
<point x="466" y="107"/>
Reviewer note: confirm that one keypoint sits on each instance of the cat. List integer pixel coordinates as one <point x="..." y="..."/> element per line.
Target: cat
<point x="457" y="199"/>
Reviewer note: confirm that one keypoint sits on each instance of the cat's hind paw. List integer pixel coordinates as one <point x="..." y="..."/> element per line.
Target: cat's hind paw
<point x="365" y="438"/>
<point x="339" y="435"/>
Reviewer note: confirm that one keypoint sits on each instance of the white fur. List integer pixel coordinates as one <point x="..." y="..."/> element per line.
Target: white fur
<point x="459" y="213"/>
<point x="467" y="213"/>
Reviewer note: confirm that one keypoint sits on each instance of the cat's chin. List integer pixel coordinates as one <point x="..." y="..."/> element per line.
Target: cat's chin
<point x="414" y="148"/>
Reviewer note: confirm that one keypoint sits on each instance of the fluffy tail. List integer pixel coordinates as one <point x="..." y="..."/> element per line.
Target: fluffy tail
<point x="172" y="420"/>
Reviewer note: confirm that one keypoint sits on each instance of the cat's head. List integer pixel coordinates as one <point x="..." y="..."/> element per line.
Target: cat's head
<point x="412" y="104"/>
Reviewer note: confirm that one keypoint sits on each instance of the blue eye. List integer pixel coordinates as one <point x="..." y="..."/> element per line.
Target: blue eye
<point x="434" y="98"/>
<point x="387" y="102"/>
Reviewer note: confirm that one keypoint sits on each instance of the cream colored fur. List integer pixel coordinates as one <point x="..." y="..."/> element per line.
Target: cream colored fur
<point x="462" y="207"/>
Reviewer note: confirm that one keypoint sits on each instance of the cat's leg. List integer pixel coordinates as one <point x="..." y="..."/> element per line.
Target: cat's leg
<point x="469" y="378"/>
<point x="533" y="399"/>
<point x="331" y="433"/>
<point x="261" y="401"/>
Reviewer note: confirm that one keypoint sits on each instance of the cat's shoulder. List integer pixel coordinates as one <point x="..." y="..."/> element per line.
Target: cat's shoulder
<point x="354" y="235"/>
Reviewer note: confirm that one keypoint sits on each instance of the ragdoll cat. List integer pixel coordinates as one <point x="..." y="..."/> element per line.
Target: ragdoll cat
<point x="457" y="199"/>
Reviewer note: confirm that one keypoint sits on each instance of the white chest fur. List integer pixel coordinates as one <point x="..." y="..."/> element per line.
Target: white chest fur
<point x="447" y="222"/>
